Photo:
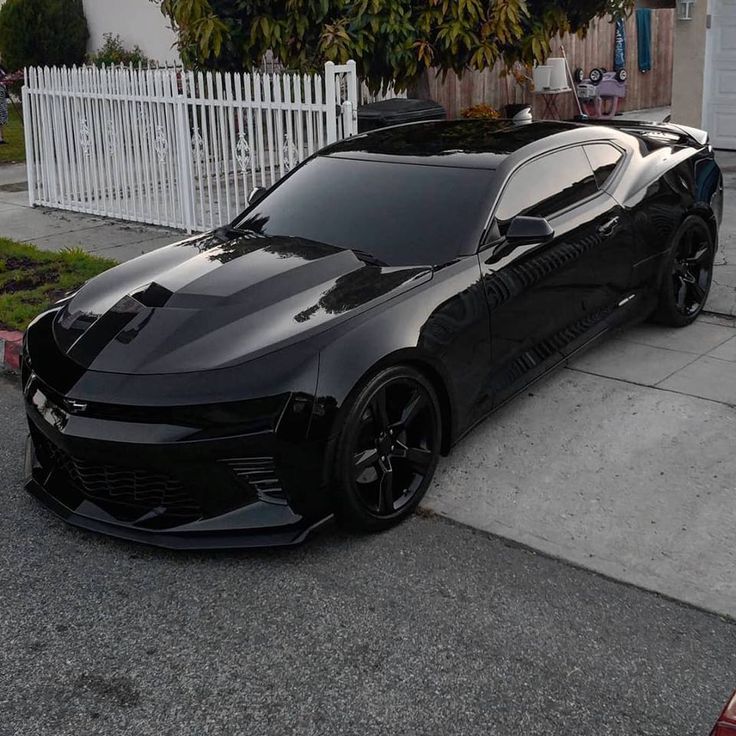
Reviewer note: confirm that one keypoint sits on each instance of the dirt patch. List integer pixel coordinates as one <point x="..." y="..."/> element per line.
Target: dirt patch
<point x="29" y="281"/>
<point x="48" y="296"/>
<point x="13" y="264"/>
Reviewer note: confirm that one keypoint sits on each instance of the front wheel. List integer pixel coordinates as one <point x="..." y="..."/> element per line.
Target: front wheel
<point x="687" y="273"/>
<point x="388" y="449"/>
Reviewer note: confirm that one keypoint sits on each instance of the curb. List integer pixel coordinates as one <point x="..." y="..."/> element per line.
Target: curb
<point x="10" y="342"/>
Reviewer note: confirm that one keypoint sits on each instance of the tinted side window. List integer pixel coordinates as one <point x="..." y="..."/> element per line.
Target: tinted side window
<point x="604" y="159"/>
<point x="546" y="186"/>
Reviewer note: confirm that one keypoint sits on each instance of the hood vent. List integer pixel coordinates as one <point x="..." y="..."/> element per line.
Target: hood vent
<point x="153" y="295"/>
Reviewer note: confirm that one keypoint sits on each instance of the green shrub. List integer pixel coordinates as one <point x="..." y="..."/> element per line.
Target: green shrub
<point x="42" y="32"/>
<point x="113" y="52"/>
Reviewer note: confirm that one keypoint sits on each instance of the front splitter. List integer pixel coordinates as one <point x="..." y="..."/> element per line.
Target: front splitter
<point x="227" y="536"/>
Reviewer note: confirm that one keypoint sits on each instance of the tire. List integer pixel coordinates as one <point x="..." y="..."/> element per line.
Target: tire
<point x="622" y="75"/>
<point x="578" y="75"/>
<point x="595" y="76"/>
<point x="387" y="451"/>
<point x="687" y="273"/>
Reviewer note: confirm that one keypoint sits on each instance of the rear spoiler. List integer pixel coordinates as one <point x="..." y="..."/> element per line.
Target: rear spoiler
<point x="682" y="134"/>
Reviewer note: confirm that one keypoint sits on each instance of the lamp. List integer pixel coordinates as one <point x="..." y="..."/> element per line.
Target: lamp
<point x="685" y="9"/>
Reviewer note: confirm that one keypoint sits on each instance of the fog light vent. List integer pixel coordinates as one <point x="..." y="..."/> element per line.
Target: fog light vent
<point x="260" y="473"/>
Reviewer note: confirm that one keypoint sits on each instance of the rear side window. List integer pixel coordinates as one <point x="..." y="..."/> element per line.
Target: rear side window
<point x="604" y="158"/>
<point x="546" y="186"/>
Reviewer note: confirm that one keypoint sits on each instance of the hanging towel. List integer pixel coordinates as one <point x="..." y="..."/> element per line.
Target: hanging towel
<point x="644" y="38"/>
<point x="619" y="50"/>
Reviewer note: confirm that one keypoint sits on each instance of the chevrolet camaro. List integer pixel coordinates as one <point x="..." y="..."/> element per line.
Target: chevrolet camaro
<point x="317" y="355"/>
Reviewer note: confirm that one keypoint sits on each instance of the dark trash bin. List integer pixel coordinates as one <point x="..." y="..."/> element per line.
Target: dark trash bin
<point x="397" y="111"/>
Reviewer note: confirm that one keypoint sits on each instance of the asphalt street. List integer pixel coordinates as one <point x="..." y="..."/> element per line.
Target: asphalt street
<point x="432" y="628"/>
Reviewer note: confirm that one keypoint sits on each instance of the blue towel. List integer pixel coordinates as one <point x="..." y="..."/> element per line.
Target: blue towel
<point x="619" y="49"/>
<point x="644" y="38"/>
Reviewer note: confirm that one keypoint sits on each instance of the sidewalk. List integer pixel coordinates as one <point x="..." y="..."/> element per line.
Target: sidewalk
<point x="56" y="229"/>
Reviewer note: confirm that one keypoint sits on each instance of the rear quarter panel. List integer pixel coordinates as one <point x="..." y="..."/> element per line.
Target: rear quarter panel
<point x="661" y="188"/>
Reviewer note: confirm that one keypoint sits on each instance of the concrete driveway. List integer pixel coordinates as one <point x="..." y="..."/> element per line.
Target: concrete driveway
<point x="623" y="463"/>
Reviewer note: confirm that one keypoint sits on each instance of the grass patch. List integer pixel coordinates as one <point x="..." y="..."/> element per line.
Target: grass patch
<point x="31" y="280"/>
<point x="14" y="151"/>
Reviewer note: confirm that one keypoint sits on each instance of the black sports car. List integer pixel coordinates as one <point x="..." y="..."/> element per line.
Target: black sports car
<point x="316" y="356"/>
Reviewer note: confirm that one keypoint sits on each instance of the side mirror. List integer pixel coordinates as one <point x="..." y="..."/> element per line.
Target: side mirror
<point x="527" y="230"/>
<point x="256" y="194"/>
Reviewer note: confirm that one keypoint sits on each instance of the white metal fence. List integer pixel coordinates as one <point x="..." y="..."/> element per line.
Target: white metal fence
<point x="171" y="147"/>
<point x="387" y="93"/>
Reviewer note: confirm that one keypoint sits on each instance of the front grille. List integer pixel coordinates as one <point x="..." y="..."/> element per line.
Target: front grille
<point x="260" y="474"/>
<point x="135" y="487"/>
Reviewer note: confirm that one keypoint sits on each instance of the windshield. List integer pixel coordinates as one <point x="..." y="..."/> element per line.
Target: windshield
<point x="398" y="214"/>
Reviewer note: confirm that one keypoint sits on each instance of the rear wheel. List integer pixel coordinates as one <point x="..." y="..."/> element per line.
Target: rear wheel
<point x="388" y="449"/>
<point x="687" y="274"/>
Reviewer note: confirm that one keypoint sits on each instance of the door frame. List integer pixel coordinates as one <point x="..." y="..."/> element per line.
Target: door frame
<point x="708" y="62"/>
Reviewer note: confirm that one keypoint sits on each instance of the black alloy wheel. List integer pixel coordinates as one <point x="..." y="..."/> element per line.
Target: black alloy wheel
<point x="687" y="275"/>
<point x="388" y="450"/>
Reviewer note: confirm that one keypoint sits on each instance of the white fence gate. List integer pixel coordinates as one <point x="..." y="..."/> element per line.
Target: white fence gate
<point x="171" y="147"/>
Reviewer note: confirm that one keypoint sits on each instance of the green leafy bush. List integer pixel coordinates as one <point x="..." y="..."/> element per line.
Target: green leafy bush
<point x="113" y="52"/>
<point x="392" y="41"/>
<point x="42" y="32"/>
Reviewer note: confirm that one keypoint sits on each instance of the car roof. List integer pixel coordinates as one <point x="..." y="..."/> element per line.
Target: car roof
<point x="460" y="143"/>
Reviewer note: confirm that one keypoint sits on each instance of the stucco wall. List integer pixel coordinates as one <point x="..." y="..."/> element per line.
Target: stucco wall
<point x="136" y="22"/>
<point x="689" y="63"/>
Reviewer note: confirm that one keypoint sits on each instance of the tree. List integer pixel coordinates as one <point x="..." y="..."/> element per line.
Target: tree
<point x="392" y="41"/>
<point x="114" y="52"/>
<point x="42" y="32"/>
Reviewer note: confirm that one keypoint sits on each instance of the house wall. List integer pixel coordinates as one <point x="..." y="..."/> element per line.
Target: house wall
<point x="689" y="66"/>
<point x="136" y="22"/>
<point x="653" y="89"/>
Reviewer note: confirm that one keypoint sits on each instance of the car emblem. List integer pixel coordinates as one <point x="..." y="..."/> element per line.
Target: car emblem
<point x="76" y="407"/>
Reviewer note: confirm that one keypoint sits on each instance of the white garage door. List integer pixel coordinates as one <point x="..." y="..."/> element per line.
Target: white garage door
<point x="719" y="100"/>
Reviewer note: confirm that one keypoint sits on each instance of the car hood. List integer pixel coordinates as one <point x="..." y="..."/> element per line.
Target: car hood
<point x="203" y="303"/>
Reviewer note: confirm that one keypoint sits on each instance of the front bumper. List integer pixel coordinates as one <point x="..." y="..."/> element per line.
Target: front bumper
<point x="258" y="524"/>
<point x="158" y="476"/>
<point x="191" y="460"/>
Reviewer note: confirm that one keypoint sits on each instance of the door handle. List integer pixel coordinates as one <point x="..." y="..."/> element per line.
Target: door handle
<point x="607" y="228"/>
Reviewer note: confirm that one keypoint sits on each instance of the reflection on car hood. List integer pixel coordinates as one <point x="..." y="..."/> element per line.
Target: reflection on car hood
<point x="203" y="303"/>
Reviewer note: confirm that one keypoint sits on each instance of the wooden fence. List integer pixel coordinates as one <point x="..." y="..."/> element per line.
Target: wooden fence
<point x="653" y="89"/>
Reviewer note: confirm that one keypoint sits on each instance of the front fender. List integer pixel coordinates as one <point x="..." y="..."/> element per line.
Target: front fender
<point x="441" y="326"/>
